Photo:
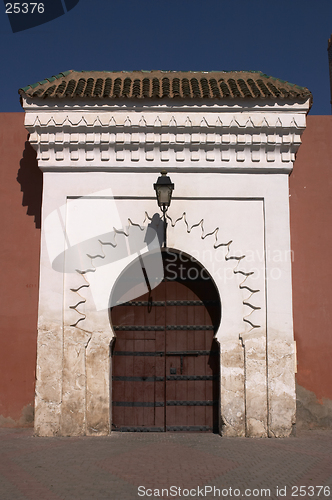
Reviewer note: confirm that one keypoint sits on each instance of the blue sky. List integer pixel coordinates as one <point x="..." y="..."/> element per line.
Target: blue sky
<point x="286" y="39"/>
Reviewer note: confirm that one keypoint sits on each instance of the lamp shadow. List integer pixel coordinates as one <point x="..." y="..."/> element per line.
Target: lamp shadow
<point x="30" y="177"/>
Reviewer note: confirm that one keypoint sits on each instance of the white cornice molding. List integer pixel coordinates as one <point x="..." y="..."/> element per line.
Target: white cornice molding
<point x="262" y="140"/>
<point x="144" y="105"/>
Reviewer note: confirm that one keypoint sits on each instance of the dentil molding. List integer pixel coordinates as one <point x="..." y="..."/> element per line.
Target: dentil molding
<point x="260" y="139"/>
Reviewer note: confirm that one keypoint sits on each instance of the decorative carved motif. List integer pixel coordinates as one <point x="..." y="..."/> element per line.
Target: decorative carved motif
<point x="229" y="256"/>
<point x="85" y="139"/>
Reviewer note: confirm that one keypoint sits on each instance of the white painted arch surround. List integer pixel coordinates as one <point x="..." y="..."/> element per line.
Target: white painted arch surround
<point x="231" y="214"/>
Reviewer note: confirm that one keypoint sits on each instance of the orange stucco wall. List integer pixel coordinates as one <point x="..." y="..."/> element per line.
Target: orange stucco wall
<point x="20" y="199"/>
<point x="20" y="202"/>
<point x="311" y="233"/>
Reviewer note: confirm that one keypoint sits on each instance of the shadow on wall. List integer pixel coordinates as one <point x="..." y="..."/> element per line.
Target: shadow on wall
<point x="26" y="419"/>
<point x="312" y="413"/>
<point x="31" y="179"/>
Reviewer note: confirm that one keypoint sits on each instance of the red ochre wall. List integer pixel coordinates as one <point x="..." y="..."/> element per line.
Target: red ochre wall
<point x="20" y="200"/>
<point x="311" y="237"/>
<point x="311" y="232"/>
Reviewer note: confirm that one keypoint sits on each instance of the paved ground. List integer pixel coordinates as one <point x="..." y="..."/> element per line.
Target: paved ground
<point x="130" y="466"/>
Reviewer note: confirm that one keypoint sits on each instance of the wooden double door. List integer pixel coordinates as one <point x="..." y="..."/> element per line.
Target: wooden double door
<point x="165" y="369"/>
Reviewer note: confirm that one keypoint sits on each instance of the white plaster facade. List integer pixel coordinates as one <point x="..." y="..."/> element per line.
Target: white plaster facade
<point x="230" y="164"/>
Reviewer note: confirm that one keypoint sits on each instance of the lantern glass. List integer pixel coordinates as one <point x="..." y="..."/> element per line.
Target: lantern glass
<point x="164" y="195"/>
<point x="164" y="188"/>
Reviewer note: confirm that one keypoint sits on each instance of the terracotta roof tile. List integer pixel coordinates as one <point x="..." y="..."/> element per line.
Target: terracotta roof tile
<point x="164" y="85"/>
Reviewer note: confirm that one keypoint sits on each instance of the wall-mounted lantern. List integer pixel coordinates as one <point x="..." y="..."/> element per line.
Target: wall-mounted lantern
<point x="164" y="188"/>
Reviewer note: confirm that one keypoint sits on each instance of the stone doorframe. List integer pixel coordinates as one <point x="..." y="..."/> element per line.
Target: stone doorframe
<point x="76" y="354"/>
<point x="230" y="211"/>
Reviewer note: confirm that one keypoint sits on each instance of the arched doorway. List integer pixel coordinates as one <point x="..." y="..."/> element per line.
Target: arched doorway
<point x="165" y="370"/>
